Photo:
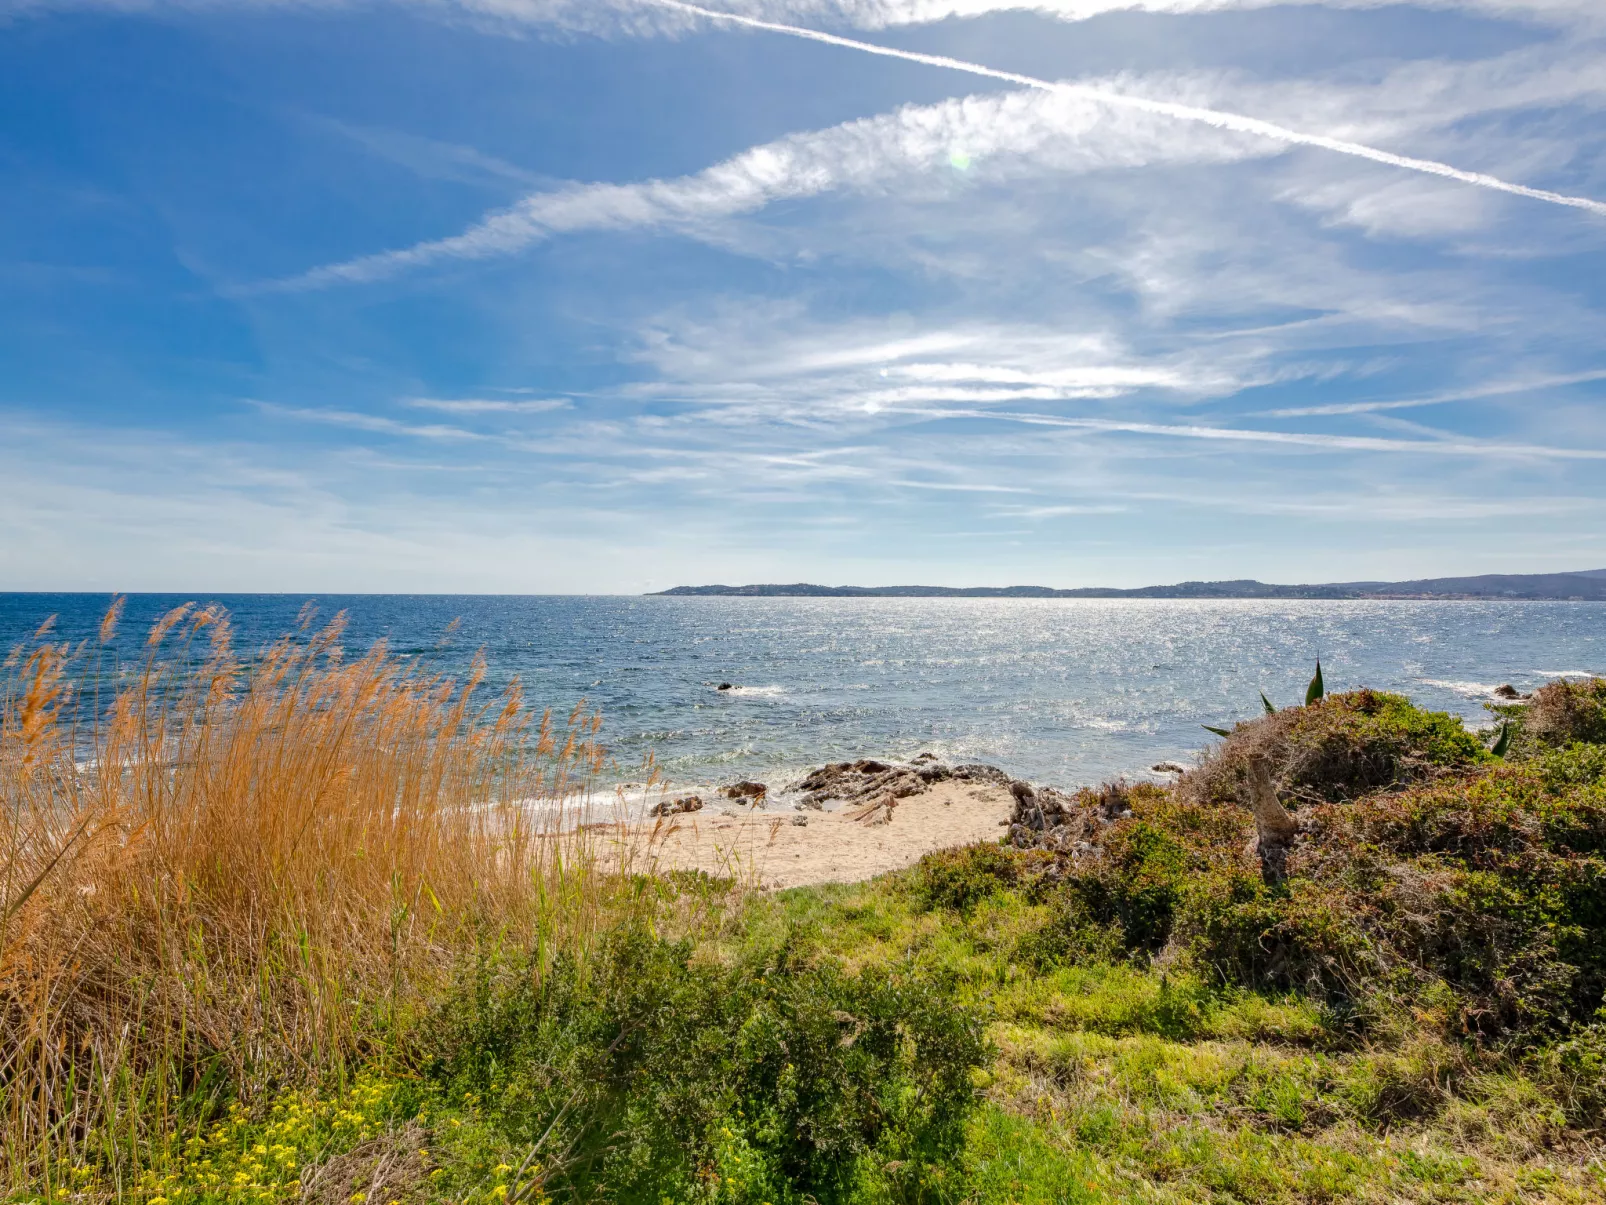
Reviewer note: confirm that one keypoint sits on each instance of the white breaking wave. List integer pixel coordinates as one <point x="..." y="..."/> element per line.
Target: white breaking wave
<point x="1469" y="690"/>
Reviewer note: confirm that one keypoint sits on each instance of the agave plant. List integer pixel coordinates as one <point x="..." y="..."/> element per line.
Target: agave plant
<point x="1316" y="689"/>
<point x="1313" y="693"/>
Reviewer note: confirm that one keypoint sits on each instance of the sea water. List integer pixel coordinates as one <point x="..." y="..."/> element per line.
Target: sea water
<point x="1067" y="691"/>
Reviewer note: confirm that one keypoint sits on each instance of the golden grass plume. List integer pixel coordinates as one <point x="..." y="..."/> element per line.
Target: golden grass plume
<point x="248" y="871"/>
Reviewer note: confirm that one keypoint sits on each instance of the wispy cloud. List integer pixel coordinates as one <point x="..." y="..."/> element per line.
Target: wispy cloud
<point x="647" y="17"/>
<point x="1060" y="511"/>
<point x="1219" y="119"/>
<point x="1493" y="389"/>
<point x="480" y="405"/>
<point x="957" y="487"/>
<point x="1491" y="449"/>
<point x="992" y="136"/>
<point x="1053" y="129"/>
<point x="358" y="421"/>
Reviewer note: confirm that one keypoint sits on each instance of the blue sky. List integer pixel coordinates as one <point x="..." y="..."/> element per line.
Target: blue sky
<point x="604" y="295"/>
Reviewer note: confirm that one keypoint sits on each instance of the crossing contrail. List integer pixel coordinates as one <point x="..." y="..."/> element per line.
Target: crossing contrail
<point x="1212" y="117"/>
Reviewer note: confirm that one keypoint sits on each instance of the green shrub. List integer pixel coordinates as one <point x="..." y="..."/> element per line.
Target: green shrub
<point x="1492" y="885"/>
<point x="1488" y="885"/>
<point x="1576" y="1068"/>
<point x="1071" y="935"/>
<point x="1558" y="714"/>
<point x="1135" y="886"/>
<point x="958" y="879"/>
<point x="659" y="1075"/>
<point x="1296" y="938"/>
<point x="1339" y="748"/>
<point x="1575" y="765"/>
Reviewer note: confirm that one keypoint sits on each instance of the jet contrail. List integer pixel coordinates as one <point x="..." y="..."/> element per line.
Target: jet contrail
<point x="1212" y="117"/>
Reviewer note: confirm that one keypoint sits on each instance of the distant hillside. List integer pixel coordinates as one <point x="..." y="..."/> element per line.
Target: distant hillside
<point x="1586" y="585"/>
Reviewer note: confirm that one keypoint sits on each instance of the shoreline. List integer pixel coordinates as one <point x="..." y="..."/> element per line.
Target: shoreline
<point x="843" y="822"/>
<point x="773" y="851"/>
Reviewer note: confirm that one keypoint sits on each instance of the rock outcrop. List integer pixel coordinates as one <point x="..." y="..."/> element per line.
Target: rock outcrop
<point x="868" y="781"/>
<point x="1045" y="818"/>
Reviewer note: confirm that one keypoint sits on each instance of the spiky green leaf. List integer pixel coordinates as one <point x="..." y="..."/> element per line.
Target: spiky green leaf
<point x="1217" y="731"/>
<point x="1503" y="741"/>
<point x="1266" y="703"/>
<point x="1316" y="689"/>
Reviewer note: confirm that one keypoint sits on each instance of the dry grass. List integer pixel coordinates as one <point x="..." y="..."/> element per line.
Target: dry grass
<point x="232" y="876"/>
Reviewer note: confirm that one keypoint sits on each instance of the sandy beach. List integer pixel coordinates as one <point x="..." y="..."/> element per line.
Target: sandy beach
<point x="769" y="848"/>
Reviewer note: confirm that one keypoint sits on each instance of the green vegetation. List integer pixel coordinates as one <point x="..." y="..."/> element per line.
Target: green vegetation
<point x="1339" y="747"/>
<point x="1415" y="1013"/>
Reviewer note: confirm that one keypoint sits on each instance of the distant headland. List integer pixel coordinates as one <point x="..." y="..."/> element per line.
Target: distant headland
<point x="1588" y="585"/>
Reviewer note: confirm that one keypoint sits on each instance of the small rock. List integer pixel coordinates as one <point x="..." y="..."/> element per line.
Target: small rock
<point x="1168" y="767"/>
<point x="800" y="821"/>
<point x="745" y="790"/>
<point x="920" y="757"/>
<point x="725" y="686"/>
<point x="1507" y="691"/>
<point x="676" y="807"/>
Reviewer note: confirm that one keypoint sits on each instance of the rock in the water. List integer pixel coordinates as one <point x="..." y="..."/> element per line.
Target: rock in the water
<point x="1507" y="691"/>
<point x="676" y="807"/>
<point x="725" y="686"/>
<point x="1168" y="767"/>
<point x="744" y="790"/>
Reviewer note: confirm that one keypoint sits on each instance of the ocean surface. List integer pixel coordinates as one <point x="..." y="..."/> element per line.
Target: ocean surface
<point x="1067" y="691"/>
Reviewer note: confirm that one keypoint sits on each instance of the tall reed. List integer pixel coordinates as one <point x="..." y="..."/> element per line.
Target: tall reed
<point x="233" y="874"/>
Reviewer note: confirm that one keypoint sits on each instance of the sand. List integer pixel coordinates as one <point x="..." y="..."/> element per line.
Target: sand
<point x="766" y="848"/>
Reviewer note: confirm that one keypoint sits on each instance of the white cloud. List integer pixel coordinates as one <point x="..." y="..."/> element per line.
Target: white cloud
<point x="488" y="405"/>
<point x="880" y="14"/>
<point x="366" y="422"/>
<point x="1000" y="136"/>
<point x="651" y="17"/>
<point x="1532" y="384"/>
<point x="928" y="152"/>
<point x="1490" y="449"/>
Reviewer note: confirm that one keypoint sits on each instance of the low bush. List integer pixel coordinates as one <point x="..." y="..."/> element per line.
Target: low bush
<point x="650" y="1074"/>
<point x="958" y="879"/>
<point x="1072" y="934"/>
<point x="1558" y="714"/>
<point x="1492" y="885"/>
<point x="1338" y="748"/>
